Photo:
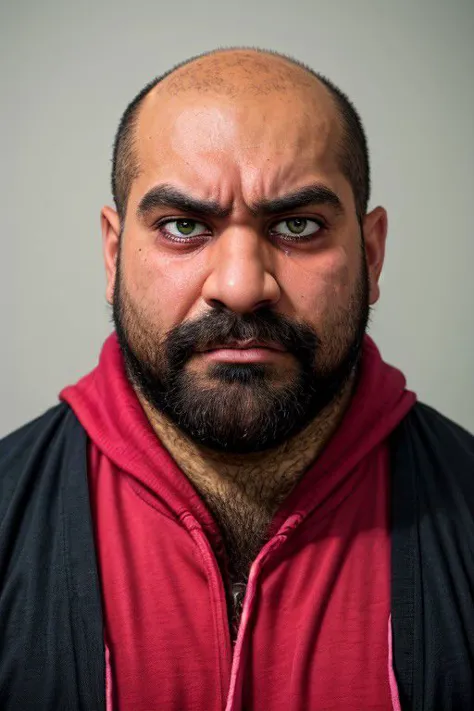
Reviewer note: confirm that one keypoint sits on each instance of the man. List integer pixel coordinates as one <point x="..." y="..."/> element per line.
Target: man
<point x="242" y="506"/>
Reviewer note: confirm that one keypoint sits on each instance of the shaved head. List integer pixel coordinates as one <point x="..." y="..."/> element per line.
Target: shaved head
<point x="231" y="72"/>
<point x="238" y="75"/>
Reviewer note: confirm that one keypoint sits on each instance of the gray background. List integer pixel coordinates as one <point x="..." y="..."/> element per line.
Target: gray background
<point x="67" y="71"/>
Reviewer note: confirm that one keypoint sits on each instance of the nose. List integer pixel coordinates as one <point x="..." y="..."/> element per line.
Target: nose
<point x="241" y="276"/>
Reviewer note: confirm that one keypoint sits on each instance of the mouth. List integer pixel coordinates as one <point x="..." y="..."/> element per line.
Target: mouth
<point x="250" y="344"/>
<point x="251" y="351"/>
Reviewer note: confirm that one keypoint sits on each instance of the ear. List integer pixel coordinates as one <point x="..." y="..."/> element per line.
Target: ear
<point x="374" y="227"/>
<point x="110" y="225"/>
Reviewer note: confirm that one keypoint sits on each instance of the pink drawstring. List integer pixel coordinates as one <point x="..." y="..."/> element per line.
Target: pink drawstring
<point x="108" y="681"/>
<point x="391" y="674"/>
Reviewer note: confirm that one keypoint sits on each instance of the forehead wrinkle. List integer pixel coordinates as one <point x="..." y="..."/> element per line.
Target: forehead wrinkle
<point x="242" y="188"/>
<point x="283" y="169"/>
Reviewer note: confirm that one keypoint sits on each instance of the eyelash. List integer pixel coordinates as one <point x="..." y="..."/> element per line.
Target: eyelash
<point x="189" y="240"/>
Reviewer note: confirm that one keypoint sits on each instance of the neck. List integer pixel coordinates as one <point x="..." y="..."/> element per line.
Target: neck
<point x="264" y="479"/>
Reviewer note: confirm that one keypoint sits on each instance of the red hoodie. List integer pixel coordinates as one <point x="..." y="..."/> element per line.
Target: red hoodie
<point x="315" y="620"/>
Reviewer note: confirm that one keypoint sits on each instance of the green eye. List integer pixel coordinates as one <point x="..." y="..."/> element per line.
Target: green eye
<point x="296" y="225"/>
<point x="185" y="227"/>
<point x="177" y="230"/>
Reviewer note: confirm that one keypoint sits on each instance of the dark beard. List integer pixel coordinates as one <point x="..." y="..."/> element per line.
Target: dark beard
<point x="239" y="408"/>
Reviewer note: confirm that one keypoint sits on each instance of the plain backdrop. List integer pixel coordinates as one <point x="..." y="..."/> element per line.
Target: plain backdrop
<point x="67" y="71"/>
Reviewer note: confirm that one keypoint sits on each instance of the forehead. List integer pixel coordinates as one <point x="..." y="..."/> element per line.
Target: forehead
<point x="251" y="142"/>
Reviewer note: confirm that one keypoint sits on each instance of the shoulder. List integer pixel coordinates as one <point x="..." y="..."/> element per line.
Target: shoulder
<point x="442" y="436"/>
<point x="35" y="447"/>
<point x="433" y="457"/>
<point x="20" y="440"/>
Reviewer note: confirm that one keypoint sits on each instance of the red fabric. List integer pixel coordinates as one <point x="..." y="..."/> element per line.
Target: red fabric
<point x="314" y="625"/>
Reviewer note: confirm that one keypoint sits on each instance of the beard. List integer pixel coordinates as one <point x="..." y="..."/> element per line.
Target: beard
<point x="242" y="408"/>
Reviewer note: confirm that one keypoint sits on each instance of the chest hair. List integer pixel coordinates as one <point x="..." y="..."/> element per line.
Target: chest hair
<point x="244" y="529"/>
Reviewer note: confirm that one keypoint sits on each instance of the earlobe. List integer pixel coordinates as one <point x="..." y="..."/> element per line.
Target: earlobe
<point x="375" y="234"/>
<point x="110" y="225"/>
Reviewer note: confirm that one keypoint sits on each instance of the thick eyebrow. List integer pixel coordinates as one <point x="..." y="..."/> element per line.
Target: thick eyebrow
<point x="168" y="196"/>
<point x="171" y="197"/>
<point x="315" y="194"/>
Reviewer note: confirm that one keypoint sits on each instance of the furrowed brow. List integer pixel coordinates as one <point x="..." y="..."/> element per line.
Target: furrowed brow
<point x="310" y="195"/>
<point x="170" y="197"/>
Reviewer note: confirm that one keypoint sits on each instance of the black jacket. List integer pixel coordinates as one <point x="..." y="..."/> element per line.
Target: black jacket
<point x="51" y="629"/>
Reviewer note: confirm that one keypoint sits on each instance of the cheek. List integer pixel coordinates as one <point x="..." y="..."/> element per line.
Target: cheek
<point x="163" y="289"/>
<point x="326" y="286"/>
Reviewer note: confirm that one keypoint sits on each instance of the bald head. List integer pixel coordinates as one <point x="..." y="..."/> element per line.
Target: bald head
<point x="254" y="78"/>
<point x="233" y="72"/>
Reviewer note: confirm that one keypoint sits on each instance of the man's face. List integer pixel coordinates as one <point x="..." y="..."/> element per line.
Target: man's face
<point x="238" y="265"/>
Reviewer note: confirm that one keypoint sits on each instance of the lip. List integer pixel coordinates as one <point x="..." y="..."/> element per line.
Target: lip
<point x="242" y="355"/>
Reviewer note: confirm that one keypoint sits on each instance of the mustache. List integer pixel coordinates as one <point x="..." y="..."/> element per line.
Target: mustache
<point x="221" y="326"/>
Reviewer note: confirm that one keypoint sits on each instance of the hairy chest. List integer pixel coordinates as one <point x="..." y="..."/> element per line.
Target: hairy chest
<point x="243" y="525"/>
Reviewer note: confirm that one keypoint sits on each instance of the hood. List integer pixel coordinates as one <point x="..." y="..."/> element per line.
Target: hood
<point x="110" y="412"/>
